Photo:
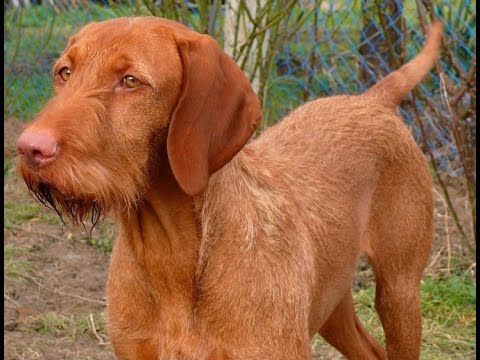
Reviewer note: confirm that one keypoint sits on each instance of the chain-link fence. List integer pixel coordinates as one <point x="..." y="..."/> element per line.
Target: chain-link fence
<point x="337" y="47"/>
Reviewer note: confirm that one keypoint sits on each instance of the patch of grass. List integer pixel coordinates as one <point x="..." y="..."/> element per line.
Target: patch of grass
<point x="8" y="166"/>
<point x="50" y="218"/>
<point x="15" y="266"/>
<point x="11" y="250"/>
<point x="82" y="323"/>
<point x="15" y="213"/>
<point x="51" y="323"/>
<point x="79" y="324"/>
<point x="102" y="239"/>
<point x="444" y="295"/>
<point x="449" y="309"/>
<point x="105" y="244"/>
<point x="15" y="269"/>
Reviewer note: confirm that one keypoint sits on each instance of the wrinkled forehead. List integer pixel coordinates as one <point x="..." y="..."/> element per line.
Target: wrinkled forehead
<point x="146" y="37"/>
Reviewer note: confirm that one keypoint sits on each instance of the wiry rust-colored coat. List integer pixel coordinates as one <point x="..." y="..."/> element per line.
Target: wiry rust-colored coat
<point x="226" y="252"/>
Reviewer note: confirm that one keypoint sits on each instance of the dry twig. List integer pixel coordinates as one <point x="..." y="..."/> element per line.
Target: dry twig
<point x="92" y="325"/>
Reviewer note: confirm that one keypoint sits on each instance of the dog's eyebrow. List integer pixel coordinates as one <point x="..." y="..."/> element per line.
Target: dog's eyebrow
<point x="71" y="42"/>
<point x="71" y="53"/>
<point x="126" y="62"/>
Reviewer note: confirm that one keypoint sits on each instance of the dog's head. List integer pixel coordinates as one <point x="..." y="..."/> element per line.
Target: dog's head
<point x="127" y="91"/>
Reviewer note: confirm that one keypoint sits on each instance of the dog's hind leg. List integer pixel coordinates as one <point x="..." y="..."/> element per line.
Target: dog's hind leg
<point x="344" y="331"/>
<point x="400" y="235"/>
<point x="398" y="305"/>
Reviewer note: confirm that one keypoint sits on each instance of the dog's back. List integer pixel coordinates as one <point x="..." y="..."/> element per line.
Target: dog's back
<point x="346" y="111"/>
<point x="329" y="138"/>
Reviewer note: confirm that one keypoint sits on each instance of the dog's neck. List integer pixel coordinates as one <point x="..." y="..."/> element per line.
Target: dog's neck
<point x="163" y="236"/>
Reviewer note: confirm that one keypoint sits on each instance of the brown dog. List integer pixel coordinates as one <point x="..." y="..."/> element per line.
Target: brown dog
<point x="226" y="251"/>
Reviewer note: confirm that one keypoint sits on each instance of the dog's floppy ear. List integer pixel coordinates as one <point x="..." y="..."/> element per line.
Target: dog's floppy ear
<point x="216" y="113"/>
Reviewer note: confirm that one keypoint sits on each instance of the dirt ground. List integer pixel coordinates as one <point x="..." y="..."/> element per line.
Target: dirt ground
<point x="63" y="277"/>
<point x="55" y="278"/>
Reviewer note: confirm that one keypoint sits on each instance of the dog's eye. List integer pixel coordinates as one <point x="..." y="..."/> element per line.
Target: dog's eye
<point x="65" y="73"/>
<point x="131" y="81"/>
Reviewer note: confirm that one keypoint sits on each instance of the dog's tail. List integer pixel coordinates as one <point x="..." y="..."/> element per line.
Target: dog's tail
<point x="390" y="90"/>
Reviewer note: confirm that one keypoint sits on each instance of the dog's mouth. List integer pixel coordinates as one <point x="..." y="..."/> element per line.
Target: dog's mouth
<point x="78" y="209"/>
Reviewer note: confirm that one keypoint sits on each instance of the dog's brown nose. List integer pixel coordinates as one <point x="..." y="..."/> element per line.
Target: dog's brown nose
<point x="38" y="148"/>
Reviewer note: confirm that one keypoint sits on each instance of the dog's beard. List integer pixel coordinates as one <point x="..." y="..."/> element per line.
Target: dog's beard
<point x="84" y="195"/>
<point x="78" y="210"/>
